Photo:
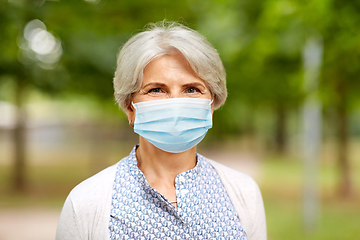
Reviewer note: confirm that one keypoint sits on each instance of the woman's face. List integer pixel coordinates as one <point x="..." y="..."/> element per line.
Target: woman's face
<point x="169" y="76"/>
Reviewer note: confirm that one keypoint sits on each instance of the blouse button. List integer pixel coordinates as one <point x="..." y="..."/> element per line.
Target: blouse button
<point x="181" y="179"/>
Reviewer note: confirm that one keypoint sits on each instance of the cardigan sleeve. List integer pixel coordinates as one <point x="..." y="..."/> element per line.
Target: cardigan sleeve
<point x="86" y="211"/>
<point x="68" y="226"/>
<point x="258" y="229"/>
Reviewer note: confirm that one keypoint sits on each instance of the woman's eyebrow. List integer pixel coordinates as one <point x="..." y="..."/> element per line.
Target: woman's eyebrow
<point x="154" y="84"/>
<point x="194" y="84"/>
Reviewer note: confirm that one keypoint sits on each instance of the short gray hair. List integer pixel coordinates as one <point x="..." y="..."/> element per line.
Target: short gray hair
<point x="160" y="39"/>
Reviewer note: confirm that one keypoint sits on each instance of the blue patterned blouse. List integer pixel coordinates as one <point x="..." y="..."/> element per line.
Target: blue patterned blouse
<point x="204" y="210"/>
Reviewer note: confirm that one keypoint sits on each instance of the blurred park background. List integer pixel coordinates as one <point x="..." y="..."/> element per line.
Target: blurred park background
<point x="291" y="120"/>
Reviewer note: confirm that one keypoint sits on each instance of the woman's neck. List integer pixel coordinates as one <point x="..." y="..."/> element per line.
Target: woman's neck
<point x="161" y="168"/>
<point x="161" y="163"/>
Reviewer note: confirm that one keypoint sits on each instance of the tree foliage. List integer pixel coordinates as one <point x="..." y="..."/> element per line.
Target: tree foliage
<point x="260" y="43"/>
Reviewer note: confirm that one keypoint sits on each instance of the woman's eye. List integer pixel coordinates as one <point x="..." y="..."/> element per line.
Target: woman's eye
<point x="155" y="90"/>
<point x="192" y="90"/>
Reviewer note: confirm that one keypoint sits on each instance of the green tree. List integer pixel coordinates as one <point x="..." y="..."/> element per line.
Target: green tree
<point x="261" y="44"/>
<point x="24" y="72"/>
<point x="341" y="72"/>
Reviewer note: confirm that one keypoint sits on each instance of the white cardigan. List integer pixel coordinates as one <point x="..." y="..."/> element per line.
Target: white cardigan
<point x="86" y="212"/>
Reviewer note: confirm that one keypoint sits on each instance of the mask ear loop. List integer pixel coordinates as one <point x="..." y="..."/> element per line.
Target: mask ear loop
<point x="212" y="100"/>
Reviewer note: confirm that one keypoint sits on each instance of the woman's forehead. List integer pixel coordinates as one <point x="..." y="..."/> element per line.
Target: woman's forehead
<point x="170" y="68"/>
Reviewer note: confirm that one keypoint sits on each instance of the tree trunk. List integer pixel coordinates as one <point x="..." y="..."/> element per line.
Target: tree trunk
<point x="19" y="140"/>
<point x="345" y="188"/>
<point x="280" y="134"/>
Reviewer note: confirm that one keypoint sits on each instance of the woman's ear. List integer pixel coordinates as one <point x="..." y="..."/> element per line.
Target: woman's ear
<point x="131" y="112"/>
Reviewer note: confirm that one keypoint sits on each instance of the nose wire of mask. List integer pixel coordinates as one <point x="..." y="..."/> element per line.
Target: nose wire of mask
<point x="175" y="124"/>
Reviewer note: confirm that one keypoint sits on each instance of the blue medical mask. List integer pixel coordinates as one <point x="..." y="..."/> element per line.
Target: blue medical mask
<point x="175" y="124"/>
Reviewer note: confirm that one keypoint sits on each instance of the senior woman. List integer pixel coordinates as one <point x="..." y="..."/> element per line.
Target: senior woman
<point x="168" y="80"/>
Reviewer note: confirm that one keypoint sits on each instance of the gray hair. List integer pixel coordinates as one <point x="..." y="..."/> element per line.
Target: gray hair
<point x="160" y="39"/>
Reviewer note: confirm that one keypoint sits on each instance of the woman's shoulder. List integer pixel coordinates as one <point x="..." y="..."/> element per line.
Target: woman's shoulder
<point x="95" y="185"/>
<point x="100" y="182"/>
<point x="242" y="188"/>
<point x="232" y="175"/>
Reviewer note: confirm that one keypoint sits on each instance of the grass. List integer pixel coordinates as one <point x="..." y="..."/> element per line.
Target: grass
<point x="282" y="188"/>
<point x="281" y="185"/>
<point x="337" y="220"/>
